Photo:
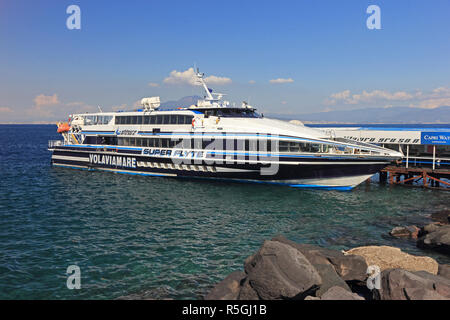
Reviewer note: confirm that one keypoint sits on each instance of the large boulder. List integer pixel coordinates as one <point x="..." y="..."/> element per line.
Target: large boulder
<point x="436" y="238"/>
<point x="432" y="227"/>
<point x="422" y="294"/>
<point x="247" y="292"/>
<point x="405" y="232"/>
<point x="444" y="271"/>
<point x="227" y="289"/>
<point x="442" y="216"/>
<point x="279" y="271"/>
<point x="338" y="293"/>
<point x="347" y="267"/>
<point x="330" y="279"/>
<point x="386" y="257"/>
<point x="398" y="284"/>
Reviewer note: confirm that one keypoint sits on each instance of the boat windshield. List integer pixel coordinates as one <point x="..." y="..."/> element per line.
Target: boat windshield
<point x="232" y="113"/>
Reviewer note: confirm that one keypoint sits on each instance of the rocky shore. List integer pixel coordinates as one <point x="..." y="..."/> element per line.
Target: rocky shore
<point x="434" y="236"/>
<point x="285" y="270"/>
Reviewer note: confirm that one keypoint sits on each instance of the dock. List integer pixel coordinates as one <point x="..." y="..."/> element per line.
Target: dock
<point x="416" y="177"/>
<point x="426" y="152"/>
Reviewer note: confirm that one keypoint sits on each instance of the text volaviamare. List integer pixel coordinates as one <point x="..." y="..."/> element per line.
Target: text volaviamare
<point x="119" y="161"/>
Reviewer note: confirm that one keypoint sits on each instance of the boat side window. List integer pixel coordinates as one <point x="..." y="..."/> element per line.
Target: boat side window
<point x="283" y="146"/>
<point x="88" y="120"/>
<point x="206" y="142"/>
<point x="246" y="145"/>
<point x="164" y="143"/>
<point x="188" y="119"/>
<point x="264" y="145"/>
<point x="315" y="147"/>
<point x="173" y="119"/>
<point x="294" y="147"/>
<point x="178" y="143"/>
<point x="152" y="119"/>
<point x="186" y="143"/>
<point x="198" y="143"/>
<point x="253" y="145"/>
<point x="173" y="143"/>
<point x="166" y="119"/>
<point x="159" y="119"/>
<point x="146" y="120"/>
<point x="239" y="145"/>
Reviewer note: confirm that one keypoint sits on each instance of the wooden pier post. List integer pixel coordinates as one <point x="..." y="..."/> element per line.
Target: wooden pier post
<point x="383" y="176"/>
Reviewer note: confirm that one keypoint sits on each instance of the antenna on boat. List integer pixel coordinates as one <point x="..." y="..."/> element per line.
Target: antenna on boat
<point x="100" y="109"/>
<point x="202" y="82"/>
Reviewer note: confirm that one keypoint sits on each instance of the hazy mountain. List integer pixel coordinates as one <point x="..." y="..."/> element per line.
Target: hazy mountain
<point x="375" y="115"/>
<point x="369" y="115"/>
<point x="181" y="103"/>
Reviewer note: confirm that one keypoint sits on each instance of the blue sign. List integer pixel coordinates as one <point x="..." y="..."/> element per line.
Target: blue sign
<point x="442" y="138"/>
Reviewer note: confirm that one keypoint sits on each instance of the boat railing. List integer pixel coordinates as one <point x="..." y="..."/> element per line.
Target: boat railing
<point x="56" y="143"/>
<point x="421" y="161"/>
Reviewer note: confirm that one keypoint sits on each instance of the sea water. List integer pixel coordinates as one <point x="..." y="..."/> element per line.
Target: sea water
<point x="165" y="237"/>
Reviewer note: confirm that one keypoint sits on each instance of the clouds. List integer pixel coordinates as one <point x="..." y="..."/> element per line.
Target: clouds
<point x="5" y="110"/>
<point x="188" y="77"/>
<point x="49" y="107"/>
<point x="436" y="98"/>
<point x="282" y="80"/>
<point x="43" y="100"/>
<point x="153" y="84"/>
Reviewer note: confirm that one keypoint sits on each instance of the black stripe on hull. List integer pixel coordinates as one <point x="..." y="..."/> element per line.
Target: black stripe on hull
<point x="309" y="169"/>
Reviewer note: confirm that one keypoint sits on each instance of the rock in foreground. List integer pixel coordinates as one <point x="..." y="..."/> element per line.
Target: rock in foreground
<point x="284" y="270"/>
<point x="398" y="284"/>
<point x="405" y="232"/>
<point x="436" y="237"/>
<point x="442" y="216"/>
<point x="387" y="257"/>
<point x="279" y="271"/>
<point x="227" y="289"/>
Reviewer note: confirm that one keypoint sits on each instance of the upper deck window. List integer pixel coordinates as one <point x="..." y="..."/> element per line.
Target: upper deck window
<point x="153" y="119"/>
<point x="232" y="113"/>
<point x="96" y="120"/>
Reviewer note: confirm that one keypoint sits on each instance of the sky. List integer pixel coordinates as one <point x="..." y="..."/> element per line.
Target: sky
<point x="285" y="57"/>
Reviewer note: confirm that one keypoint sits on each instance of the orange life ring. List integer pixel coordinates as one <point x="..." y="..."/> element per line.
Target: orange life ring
<point x="63" y="127"/>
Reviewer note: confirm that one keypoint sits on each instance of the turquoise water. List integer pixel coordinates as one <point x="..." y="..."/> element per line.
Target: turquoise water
<point x="162" y="237"/>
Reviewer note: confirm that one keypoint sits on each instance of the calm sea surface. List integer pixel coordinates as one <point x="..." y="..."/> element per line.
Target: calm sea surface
<point x="162" y="237"/>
